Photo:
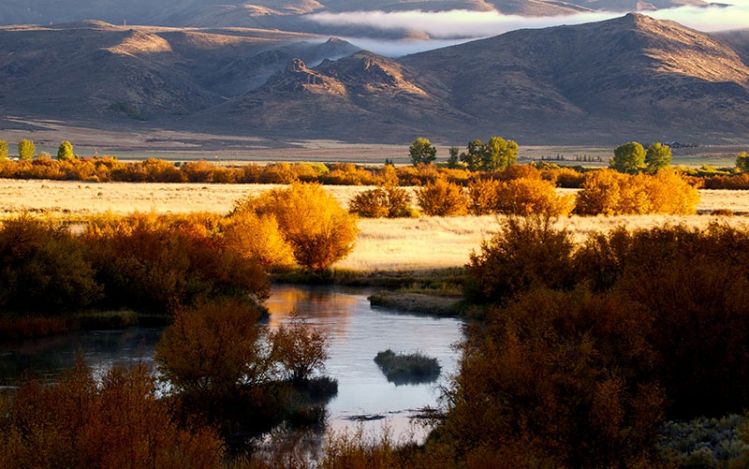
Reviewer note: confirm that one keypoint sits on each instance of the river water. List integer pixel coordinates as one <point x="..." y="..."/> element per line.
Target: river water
<point x="357" y="333"/>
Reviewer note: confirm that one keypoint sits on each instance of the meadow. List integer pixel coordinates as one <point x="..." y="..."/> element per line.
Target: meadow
<point x="383" y="244"/>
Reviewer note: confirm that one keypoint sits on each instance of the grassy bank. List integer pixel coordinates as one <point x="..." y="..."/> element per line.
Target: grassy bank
<point x="17" y="327"/>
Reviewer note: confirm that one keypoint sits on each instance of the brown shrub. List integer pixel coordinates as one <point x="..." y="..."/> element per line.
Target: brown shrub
<point x="43" y="268"/>
<point x="442" y="198"/>
<point x="558" y="378"/>
<point x="213" y="349"/>
<point x="568" y="178"/>
<point x="159" y="263"/>
<point x="299" y="349"/>
<point x="120" y="423"/>
<point x="525" y="253"/>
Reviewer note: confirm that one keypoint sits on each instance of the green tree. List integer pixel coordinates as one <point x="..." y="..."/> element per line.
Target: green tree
<point x="629" y="158"/>
<point x="454" y="161"/>
<point x="26" y="150"/>
<point x="422" y="151"/>
<point x="473" y="157"/>
<point x="657" y="157"/>
<point x="499" y="154"/>
<point x="742" y="162"/>
<point x="66" y="151"/>
<point x="4" y="150"/>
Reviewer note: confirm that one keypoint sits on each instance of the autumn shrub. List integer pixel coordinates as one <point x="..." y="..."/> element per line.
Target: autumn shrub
<point x="311" y="220"/>
<point x="483" y="195"/>
<point x="43" y="268"/>
<point x="348" y="174"/>
<point x="563" y="379"/>
<point x="299" y="350"/>
<point x="259" y="238"/>
<point x="692" y="283"/>
<point x="158" y="263"/>
<point x="383" y="202"/>
<point x="442" y="198"/>
<point x="608" y="192"/>
<point x="519" y="171"/>
<point x="525" y="253"/>
<point x="119" y="422"/>
<point x="568" y="178"/>
<point x="732" y="182"/>
<point x="213" y="349"/>
<point x="526" y="196"/>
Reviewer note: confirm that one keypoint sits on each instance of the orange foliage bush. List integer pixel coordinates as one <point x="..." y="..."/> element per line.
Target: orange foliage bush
<point x="532" y="196"/>
<point x="158" y="263"/>
<point x="121" y="423"/>
<point x="442" y="198"/>
<point x="259" y="238"/>
<point x="213" y="349"/>
<point x="568" y="178"/>
<point x="608" y="192"/>
<point x="299" y="349"/>
<point x="318" y="229"/>
<point x="483" y="195"/>
<point x="43" y="268"/>
<point x="383" y="202"/>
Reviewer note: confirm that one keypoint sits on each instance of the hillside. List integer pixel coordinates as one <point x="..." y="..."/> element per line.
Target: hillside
<point x="95" y="68"/>
<point x="597" y="83"/>
<point x="631" y="75"/>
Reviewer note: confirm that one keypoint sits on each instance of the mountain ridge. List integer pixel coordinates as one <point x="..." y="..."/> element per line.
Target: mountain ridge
<point x="628" y="77"/>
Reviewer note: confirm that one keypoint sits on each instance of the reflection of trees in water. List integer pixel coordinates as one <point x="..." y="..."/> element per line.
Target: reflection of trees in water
<point x="327" y="306"/>
<point x="48" y="357"/>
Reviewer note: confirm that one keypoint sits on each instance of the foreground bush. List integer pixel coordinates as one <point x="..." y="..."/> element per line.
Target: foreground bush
<point x="311" y="220"/>
<point x="213" y="349"/>
<point x="525" y="253"/>
<point x="159" y="264"/>
<point x="441" y="199"/>
<point x="559" y="379"/>
<point x="44" y="268"/>
<point x="119" y="423"/>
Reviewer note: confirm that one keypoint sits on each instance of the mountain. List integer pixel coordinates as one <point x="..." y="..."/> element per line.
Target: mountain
<point x="97" y="69"/>
<point x="631" y="75"/>
<point x="597" y="83"/>
<point x="738" y="40"/>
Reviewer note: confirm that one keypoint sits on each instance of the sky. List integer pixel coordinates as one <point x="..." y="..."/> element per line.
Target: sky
<point x="449" y="25"/>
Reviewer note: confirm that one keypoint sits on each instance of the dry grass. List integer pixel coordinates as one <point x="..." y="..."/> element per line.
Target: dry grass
<point x="384" y="244"/>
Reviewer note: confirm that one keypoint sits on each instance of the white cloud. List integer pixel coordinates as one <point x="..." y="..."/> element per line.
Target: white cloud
<point x="463" y="23"/>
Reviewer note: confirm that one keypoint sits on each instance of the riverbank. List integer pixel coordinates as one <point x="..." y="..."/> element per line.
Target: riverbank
<point x="21" y="327"/>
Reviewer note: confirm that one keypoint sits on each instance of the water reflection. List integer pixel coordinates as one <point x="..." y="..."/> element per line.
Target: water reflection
<point x="357" y="333"/>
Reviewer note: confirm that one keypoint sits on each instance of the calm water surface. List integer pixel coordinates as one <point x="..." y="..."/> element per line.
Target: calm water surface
<point x="357" y="333"/>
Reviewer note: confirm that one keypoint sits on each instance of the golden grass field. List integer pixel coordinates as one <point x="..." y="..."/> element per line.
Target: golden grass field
<point x="401" y="244"/>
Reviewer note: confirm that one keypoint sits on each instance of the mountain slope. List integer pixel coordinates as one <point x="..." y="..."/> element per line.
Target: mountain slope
<point x="632" y="73"/>
<point x="631" y="77"/>
<point x="94" y="68"/>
